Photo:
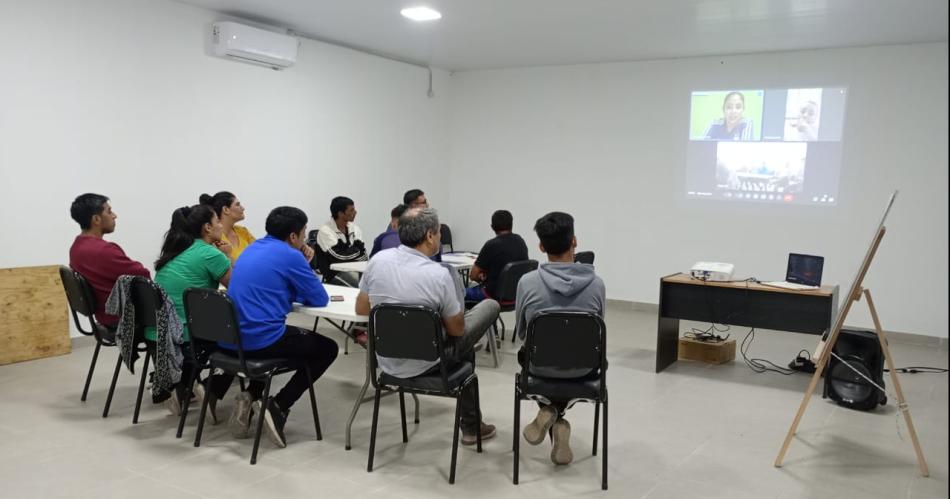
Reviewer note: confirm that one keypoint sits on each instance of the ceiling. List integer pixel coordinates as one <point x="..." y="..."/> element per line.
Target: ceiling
<point x="484" y="34"/>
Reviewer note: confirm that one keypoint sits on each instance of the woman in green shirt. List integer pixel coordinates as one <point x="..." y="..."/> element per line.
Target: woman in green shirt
<point x="193" y="256"/>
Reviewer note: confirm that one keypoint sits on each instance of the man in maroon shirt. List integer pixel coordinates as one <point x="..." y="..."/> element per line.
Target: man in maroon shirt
<point x="98" y="260"/>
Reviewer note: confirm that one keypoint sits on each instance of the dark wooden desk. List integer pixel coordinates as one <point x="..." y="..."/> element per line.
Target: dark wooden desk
<point x="746" y="304"/>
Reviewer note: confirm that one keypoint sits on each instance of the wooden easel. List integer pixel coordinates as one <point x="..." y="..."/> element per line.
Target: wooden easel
<point x="824" y="353"/>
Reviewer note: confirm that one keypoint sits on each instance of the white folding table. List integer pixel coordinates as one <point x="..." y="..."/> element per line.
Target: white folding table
<point x="345" y="312"/>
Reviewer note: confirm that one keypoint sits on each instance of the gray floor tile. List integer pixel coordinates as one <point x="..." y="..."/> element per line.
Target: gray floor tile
<point x="694" y="430"/>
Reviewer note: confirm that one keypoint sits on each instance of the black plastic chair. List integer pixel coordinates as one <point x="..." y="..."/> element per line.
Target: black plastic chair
<point x="147" y="299"/>
<point x="415" y="332"/>
<point x="212" y="318"/>
<point x="584" y="257"/>
<point x="83" y="303"/>
<point x="562" y="343"/>
<point x="508" y="288"/>
<point x="447" y="238"/>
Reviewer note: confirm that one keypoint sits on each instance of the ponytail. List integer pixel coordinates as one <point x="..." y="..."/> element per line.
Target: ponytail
<point x="186" y="226"/>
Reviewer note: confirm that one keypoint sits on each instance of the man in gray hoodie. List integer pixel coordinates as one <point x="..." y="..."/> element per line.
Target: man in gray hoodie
<point x="559" y="284"/>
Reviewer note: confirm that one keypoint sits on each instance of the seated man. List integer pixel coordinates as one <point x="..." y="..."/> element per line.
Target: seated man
<point x="97" y="260"/>
<point x="390" y="238"/>
<point x="407" y="275"/>
<point x="271" y="274"/>
<point x="504" y="248"/>
<point x="558" y="284"/>
<point x="341" y="240"/>
<point x="415" y="198"/>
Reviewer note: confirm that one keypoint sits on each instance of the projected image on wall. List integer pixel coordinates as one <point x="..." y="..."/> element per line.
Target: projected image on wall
<point x="771" y="145"/>
<point x="775" y="167"/>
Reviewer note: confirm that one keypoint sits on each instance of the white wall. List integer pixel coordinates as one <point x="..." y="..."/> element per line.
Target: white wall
<point x="118" y="97"/>
<point x="606" y="143"/>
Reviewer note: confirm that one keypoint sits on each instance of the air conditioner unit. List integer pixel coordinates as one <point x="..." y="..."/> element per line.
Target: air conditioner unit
<point x="242" y="43"/>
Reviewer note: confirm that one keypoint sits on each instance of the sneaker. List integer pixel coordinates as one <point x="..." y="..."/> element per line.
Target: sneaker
<point x="536" y="430"/>
<point x="240" y="420"/>
<point x="488" y="431"/>
<point x="198" y="398"/>
<point x="361" y="338"/>
<point x="561" y="434"/>
<point x="172" y="403"/>
<point x="274" y="420"/>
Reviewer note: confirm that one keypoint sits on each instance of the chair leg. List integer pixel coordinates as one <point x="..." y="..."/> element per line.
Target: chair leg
<point x="402" y="414"/>
<point x="478" y="417"/>
<point x="92" y="367"/>
<point x="315" y="321"/>
<point x="187" y="402"/>
<point x="372" y="432"/>
<point x="416" y="400"/>
<point x="260" y="419"/>
<point x="241" y="382"/>
<point x="603" y="485"/>
<point x="115" y="377"/>
<point x="492" y="337"/>
<point x="138" y="397"/>
<point x="596" y="421"/>
<point x="204" y="410"/>
<point x="313" y="406"/>
<point x="515" y="443"/>
<point x="455" y="435"/>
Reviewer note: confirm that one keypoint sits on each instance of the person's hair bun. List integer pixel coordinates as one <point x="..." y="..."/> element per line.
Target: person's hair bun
<point x="206" y="199"/>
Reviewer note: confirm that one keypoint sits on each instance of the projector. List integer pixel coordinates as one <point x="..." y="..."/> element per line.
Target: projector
<point x="712" y="271"/>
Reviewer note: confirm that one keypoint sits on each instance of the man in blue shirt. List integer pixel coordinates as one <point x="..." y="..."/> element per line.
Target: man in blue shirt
<point x="390" y="238"/>
<point x="271" y="274"/>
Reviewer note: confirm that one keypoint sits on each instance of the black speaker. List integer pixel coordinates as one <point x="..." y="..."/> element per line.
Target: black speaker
<point x="862" y="351"/>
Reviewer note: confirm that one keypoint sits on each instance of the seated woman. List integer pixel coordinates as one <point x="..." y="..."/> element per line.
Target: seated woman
<point x="230" y="211"/>
<point x="193" y="256"/>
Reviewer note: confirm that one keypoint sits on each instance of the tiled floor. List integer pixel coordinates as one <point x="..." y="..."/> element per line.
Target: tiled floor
<point x="693" y="431"/>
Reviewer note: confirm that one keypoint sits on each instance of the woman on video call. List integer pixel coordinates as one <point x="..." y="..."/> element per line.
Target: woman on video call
<point x="732" y="125"/>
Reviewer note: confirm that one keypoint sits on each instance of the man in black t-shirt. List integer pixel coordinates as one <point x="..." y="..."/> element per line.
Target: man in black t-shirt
<point x="504" y="248"/>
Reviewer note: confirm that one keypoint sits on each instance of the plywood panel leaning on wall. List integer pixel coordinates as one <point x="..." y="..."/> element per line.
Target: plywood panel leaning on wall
<point x="33" y="314"/>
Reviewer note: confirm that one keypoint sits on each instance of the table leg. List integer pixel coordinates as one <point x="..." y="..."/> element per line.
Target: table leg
<point x="667" y="342"/>
<point x="359" y="400"/>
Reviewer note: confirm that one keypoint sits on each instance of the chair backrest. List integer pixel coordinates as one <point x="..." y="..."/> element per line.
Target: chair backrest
<point x="320" y="261"/>
<point x="146" y="298"/>
<point x="509" y="277"/>
<point x="565" y="341"/>
<point x="405" y="332"/>
<point x="447" y="237"/>
<point x="80" y="297"/>
<point x="584" y="257"/>
<point x="211" y="316"/>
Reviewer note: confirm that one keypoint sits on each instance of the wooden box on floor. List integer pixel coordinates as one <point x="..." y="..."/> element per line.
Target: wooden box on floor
<point x="706" y="351"/>
<point x="34" y="319"/>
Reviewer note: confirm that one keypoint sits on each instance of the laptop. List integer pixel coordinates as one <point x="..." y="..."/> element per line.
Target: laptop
<point x="803" y="273"/>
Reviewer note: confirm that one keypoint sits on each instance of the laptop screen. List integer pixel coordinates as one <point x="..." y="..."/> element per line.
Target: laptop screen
<point x="804" y="269"/>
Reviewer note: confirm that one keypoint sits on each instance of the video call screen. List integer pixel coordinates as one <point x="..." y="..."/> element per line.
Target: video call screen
<point x="766" y="145"/>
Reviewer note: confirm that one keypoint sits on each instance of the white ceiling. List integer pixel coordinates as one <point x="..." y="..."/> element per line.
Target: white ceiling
<point x="482" y="34"/>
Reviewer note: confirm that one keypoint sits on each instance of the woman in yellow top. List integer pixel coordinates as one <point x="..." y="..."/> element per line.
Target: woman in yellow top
<point x="230" y="211"/>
